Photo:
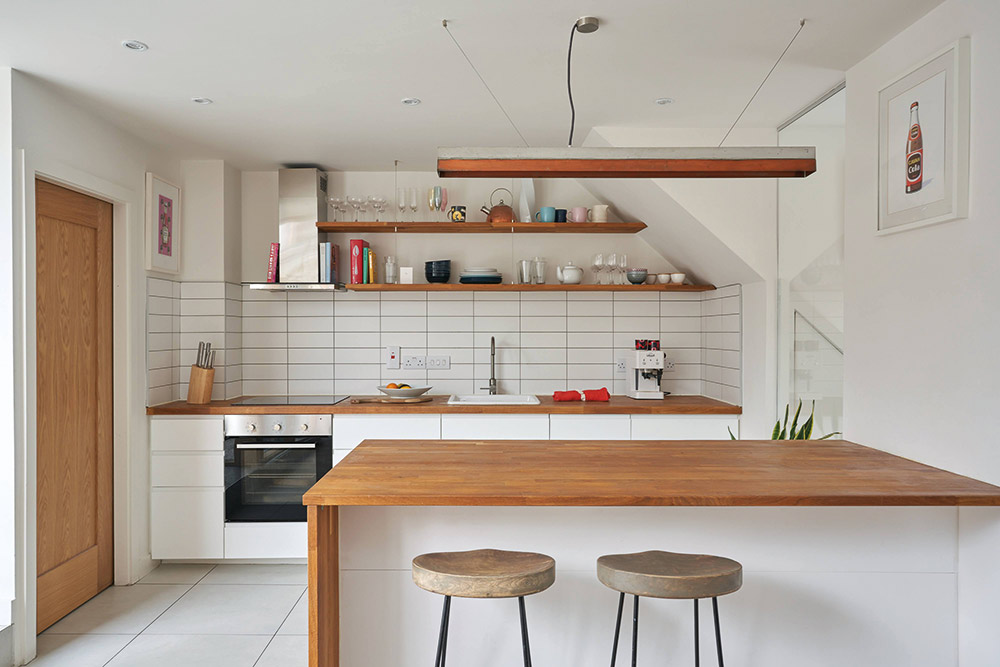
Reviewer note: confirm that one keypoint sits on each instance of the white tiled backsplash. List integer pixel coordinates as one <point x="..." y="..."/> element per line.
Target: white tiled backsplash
<point x="333" y="343"/>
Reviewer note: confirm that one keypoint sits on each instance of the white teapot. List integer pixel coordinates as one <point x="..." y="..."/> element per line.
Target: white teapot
<point x="569" y="274"/>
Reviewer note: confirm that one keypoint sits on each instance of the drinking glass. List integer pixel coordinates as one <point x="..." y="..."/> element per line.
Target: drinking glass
<point x="611" y="264"/>
<point x="413" y="201"/>
<point x="623" y="265"/>
<point x="356" y="203"/>
<point x="401" y="201"/>
<point x="431" y="204"/>
<point x="336" y="203"/>
<point x="444" y="200"/>
<point x="597" y="263"/>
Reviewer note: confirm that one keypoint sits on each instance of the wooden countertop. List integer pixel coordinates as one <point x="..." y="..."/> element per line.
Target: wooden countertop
<point x="671" y="405"/>
<point x="688" y="473"/>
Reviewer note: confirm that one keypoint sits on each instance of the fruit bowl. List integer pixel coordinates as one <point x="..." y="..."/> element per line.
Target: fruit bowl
<point x="406" y="392"/>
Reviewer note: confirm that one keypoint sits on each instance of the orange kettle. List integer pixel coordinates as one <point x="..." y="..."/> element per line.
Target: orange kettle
<point x="501" y="212"/>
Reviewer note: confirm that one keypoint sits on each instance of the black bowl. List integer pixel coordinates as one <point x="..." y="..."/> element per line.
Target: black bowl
<point x="437" y="276"/>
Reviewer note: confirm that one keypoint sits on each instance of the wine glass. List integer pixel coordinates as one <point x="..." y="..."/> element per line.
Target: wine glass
<point x="444" y="200"/>
<point x="413" y="201"/>
<point x="623" y="265"/>
<point x="431" y="203"/>
<point x="437" y="197"/>
<point x="611" y="264"/>
<point x="373" y="203"/>
<point x="401" y="201"/>
<point x="336" y="203"/>
<point x="356" y="203"/>
<point x="597" y="264"/>
<point x="379" y="203"/>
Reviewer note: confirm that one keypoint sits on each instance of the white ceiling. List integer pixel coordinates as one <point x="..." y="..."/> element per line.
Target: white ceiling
<point x="310" y="81"/>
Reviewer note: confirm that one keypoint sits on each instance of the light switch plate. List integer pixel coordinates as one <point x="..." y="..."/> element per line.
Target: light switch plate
<point x="392" y="357"/>
<point x="439" y="363"/>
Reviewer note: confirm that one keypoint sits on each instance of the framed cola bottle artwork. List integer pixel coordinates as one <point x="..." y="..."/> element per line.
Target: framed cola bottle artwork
<point x="924" y="142"/>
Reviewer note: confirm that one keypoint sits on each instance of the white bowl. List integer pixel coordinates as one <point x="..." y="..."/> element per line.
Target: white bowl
<point x="663" y="278"/>
<point x="677" y="278"/>
<point x="404" y="393"/>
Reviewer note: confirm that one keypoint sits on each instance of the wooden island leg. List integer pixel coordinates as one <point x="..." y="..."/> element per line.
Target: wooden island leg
<point x="324" y="586"/>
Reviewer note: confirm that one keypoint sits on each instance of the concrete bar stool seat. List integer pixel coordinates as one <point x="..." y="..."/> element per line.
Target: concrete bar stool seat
<point x="483" y="573"/>
<point x="664" y="574"/>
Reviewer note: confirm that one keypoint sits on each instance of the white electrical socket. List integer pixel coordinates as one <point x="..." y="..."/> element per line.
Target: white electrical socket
<point x="414" y="362"/>
<point x="392" y="357"/>
<point x="439" y="362"/>
<point x="669" y="366"/>
<point x="620" y="366"/>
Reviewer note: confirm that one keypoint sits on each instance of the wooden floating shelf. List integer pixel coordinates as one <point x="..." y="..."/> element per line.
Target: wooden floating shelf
<point x="507" y="287"/>
<point x="482" y="227"/>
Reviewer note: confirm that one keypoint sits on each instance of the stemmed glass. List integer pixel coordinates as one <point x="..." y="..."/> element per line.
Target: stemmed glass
<point x="356" y="203"/>
<point x="597" y="264"/>
<point x="437" y="197"/>
<point x="401" y="201"/>
<point x="337" y="204"/>
<point x="444" y="200"/>
<point x="413" y="201"/>
<point x="378" y="203"/>
<point x="612" y="266"/>
<point x="623" y="266"/>
<point x="431" y="202"/>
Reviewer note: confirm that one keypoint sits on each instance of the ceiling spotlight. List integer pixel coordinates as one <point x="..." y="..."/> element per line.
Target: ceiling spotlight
<point x="410" y="101"/>
<point x="201" y="100"/>
<point x="663" y="101"/>
<point x="135" y="45"/>
<point x="588" y="24"/>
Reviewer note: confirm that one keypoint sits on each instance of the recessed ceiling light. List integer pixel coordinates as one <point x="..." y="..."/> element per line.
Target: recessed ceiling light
<point x="201" y="100"/>
<point x="135" y="45"/>
<point x="410" y="101"/>
<point x="663" y="101"/>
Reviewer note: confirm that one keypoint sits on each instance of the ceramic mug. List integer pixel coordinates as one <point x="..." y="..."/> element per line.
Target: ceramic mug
<point x="546" y="214"/>
<point x="456" y="214"/>
<point x="578" y="214"/>
<point x="560" y="215"/>
<point x="599" y="213"/>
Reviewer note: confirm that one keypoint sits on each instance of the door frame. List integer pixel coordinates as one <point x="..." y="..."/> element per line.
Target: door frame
<point x="130" y="433"/>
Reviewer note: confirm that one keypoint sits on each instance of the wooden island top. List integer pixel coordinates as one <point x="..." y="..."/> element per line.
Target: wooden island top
<point x="623" y="473"/>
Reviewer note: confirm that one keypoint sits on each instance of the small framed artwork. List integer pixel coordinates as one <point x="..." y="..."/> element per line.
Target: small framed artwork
<point x="924" y="143"/>
<point x="163" y="225"/>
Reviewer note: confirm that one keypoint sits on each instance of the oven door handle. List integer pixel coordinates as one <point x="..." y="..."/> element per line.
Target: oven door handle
<point x="276" y="445"/>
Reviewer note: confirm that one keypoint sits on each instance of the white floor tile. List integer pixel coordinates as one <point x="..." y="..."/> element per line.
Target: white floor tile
<point x="257" y="574"/>
<point x="231" y="609"/>
<point x="297" y="622"/>
<point x="177" y="573"/>
<point x="120" y="610"/>
<point x="285" y="652"/>
<point x="78" y="650"/>
<point x="191" y="651"/>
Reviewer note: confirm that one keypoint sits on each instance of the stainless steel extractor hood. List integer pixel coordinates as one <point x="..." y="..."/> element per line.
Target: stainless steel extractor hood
<point x="301" y="204"/>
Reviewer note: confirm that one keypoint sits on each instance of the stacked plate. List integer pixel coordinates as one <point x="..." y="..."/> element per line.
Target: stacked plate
<point x="480" y="276"/>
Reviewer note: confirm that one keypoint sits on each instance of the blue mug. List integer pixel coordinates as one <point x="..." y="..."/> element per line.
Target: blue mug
<point x="546" y="214"/>
<point x="560" y="215"/>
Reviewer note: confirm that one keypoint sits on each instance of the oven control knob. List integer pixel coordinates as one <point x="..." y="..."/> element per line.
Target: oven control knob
<point x="277" y="427"/>
<point x="305" y="427"/>
<point x="251" y="427"/>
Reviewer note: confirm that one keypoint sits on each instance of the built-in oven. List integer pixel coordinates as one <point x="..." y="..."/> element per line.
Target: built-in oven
<point x="271" y="460"/>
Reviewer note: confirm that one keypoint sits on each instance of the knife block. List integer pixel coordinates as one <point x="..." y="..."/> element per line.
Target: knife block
<point x="200" y="386"/>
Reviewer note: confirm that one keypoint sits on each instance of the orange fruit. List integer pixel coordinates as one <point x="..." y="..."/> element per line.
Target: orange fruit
<point x="392" y="385"/>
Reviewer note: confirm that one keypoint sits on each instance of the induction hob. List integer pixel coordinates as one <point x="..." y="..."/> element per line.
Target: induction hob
<point x="291" y="400"/>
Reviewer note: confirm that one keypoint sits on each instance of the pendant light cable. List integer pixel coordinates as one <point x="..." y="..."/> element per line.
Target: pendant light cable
<point x="444" y="24"/>
<point x="569" y="85"/>
<point x="802" y="24"/>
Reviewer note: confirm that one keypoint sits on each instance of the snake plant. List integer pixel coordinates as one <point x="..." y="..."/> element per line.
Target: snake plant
<point x="782" y="432"/>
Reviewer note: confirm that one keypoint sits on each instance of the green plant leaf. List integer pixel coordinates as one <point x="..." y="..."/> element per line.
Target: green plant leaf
<point x="829" y="435"/>
<point x="807" y="429"/>
<point x="777" y="430"/>
<point x="731" y="436"/>
<point x="795" y="421"/>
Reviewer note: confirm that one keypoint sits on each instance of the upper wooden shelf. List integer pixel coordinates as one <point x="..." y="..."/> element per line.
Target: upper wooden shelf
<point x="483" y="227"/>
<point x="508" y="287"/>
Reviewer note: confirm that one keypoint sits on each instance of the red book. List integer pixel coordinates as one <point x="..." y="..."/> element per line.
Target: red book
<point x="272" y="264"/>
<point x="357" y="261"/>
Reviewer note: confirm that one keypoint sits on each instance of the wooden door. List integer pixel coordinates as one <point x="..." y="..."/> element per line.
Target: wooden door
<point x="74" y="400"/>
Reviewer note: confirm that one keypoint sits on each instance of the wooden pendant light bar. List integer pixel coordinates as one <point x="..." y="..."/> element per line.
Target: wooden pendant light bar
<point x="735" y="162"/>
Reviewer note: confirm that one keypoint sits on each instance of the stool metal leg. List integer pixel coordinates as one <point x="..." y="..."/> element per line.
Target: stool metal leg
<point x="697" y="647"/>
<point x="618" y="628"/>
<point x="635" y="630"/>
<point x="718" y="635"/>
<point x="524" y="633"/>
<point x="443" y="633"/>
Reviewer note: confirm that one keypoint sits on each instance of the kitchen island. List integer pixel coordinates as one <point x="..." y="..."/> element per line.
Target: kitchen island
<point x="824" y="576"/>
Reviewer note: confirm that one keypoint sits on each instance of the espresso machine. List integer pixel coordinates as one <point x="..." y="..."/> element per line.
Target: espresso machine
<point x="644" y="370"/>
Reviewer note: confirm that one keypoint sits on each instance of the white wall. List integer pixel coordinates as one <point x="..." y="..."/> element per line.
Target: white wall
<point x="52" y="130"/>
<point x="6" y="360"/>
<point x="923" y="306"/>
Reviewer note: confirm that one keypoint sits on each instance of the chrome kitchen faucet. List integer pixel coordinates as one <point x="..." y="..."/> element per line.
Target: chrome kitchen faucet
<point x="493" y="367"/>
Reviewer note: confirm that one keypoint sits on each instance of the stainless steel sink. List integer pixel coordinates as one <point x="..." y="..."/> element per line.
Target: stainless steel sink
<point x="494" y="399"/>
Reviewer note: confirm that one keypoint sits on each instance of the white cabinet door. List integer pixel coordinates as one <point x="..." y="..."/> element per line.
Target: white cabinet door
<point x="350" y="430"/>
<point x="495" y="427"/>
<point x="589" y="427"/>
<point x="266" y="540"/>
<point x="187" y="523"/>
<point x="185" y="433"/>
<point x="187" y="469"/>
<point x="684" y="427"/>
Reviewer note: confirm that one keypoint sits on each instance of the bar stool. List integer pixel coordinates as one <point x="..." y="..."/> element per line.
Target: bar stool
<point x="662" y="574"/>
<point x="483" y="573"/>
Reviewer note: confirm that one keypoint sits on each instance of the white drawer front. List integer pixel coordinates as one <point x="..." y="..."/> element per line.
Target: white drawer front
<point x="185" y="434"/>
<point x="495" y="427"/>
<point x="684" y="427"/>
<point x="589" y="427"/>
<point x="187" y="469"/>
<point x="349" y="430"/>
<point x="187" y="523"/>
<point x="266" y="540"/>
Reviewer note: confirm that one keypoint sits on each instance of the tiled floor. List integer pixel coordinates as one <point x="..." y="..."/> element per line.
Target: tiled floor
<point x="191" y="616"/>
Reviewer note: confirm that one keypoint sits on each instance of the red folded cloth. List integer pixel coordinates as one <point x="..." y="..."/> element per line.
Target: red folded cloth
<point x="597" y="394"/>
<point x="566" y="396"/>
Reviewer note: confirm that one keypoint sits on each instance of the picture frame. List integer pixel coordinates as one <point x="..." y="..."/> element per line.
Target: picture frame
<point x="924" y="142"/>
<point x="163" y="225"/>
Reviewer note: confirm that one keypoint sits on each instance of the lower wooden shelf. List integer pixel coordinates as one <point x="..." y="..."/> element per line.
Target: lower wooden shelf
<point x="507" y="287"/>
